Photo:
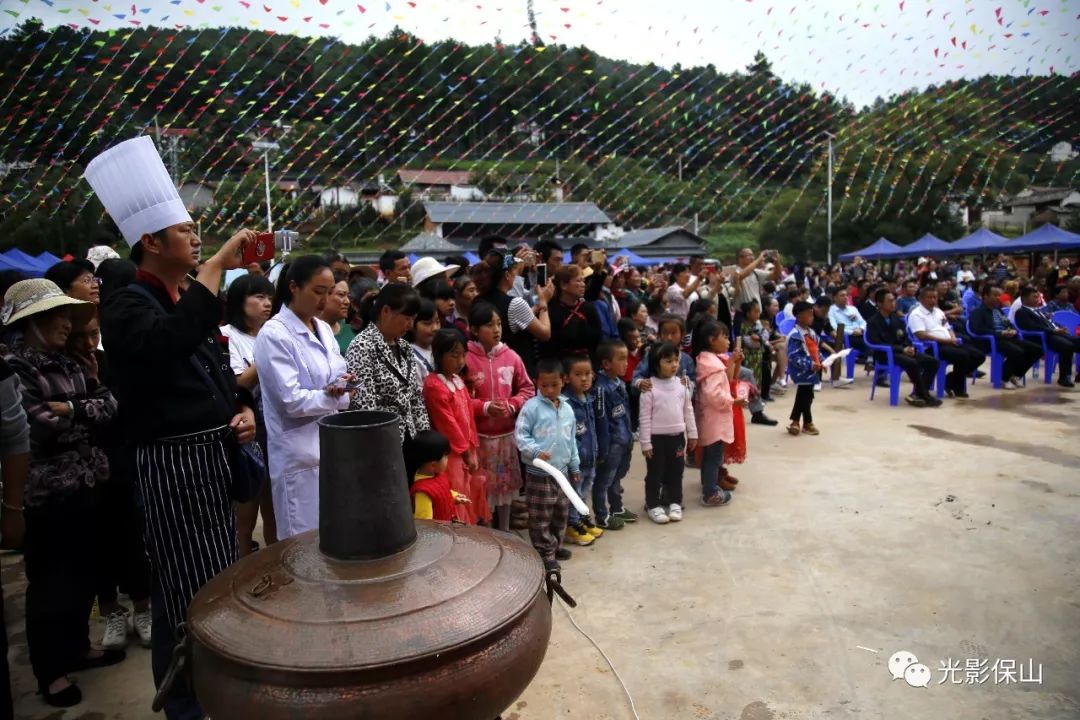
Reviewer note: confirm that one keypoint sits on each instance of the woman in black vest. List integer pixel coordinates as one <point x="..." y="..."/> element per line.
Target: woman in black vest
<point x="575" y="322"/>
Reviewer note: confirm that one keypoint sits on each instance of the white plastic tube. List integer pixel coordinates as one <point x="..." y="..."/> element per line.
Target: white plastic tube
<point x="564" y="484"/>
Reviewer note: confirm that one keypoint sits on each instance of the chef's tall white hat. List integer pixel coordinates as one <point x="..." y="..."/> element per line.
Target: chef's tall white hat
<point x="136" y="190"/>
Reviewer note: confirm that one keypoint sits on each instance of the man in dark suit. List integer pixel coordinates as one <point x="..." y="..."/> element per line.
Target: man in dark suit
<point x="1058" y="339"/>
<point x="1020" y="355"/>
<point x="887" y="327"/>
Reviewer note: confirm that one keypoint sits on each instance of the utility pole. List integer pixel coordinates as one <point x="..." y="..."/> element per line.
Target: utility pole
<point x="828" y="230"/>
<point x="174" y="163"/>
<point x="535" y="39"/>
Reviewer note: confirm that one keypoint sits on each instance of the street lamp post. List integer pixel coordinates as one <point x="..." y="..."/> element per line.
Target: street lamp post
<point x="266" y="147"/>
<point x="828" y="226"/>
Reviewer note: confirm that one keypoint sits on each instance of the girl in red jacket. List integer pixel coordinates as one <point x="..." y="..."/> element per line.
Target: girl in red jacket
<point x="450" y="408"/>
<point x="500" y="388"/>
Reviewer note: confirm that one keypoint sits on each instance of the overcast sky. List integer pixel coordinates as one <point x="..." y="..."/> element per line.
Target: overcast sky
<point x="853" y="48"/>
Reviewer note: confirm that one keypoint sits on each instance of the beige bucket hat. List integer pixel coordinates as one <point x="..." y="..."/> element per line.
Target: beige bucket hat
<point x="37" y="295"/>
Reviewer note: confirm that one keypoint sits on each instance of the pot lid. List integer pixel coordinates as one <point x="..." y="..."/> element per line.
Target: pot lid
<point x="291" y="607"/>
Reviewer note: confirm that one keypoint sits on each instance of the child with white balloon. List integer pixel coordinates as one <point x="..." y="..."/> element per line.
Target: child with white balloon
<point x="546" y="431"/>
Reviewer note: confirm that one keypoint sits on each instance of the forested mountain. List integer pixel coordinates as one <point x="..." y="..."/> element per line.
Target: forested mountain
<point x="748" y="145"/>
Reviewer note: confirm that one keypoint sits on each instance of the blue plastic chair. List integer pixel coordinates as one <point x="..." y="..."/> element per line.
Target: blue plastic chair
<point x="1070" y="321"/>
<point x="1049" y="359"/>
<point x="853" y="356"/>
<point x="1066" y="319"/>
<point x="997" y="360"/>
<point x="786" y="326"/>
<point x="890" y="367"/>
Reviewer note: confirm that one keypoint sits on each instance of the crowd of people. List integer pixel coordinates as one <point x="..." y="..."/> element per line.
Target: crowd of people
<point x="149" y="415"/>
<point x="155" y="419"/>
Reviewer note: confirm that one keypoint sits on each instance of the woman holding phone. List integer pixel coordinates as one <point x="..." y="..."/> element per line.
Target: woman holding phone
<point x="303" y="378"/>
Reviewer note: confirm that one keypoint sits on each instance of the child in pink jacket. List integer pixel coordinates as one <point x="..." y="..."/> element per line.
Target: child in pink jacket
<point x="714" y="406"/>
<point x="500" y="387"/>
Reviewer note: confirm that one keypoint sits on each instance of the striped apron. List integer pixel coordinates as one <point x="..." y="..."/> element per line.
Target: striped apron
<point x="190" y="530"/>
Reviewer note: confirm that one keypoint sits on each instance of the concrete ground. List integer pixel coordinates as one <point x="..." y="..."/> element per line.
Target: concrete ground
<point x="950" y="533"/>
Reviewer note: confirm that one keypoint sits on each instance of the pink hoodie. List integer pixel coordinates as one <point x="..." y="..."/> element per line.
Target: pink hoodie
<point x="498" y="375"/>
<point x="714" y="404"/>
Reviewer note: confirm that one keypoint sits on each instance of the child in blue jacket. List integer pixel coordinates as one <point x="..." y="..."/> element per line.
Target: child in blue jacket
<point x="546" y="429"/>
<point x="804" y="364"/>
<point x="615" y="437"/>
<point x="578" y="391"/>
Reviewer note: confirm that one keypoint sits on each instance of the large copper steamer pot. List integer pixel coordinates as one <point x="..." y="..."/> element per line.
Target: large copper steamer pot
<point x="375" y="615"/>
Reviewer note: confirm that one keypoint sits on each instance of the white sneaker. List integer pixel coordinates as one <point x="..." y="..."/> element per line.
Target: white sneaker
<point x="777" y="389"/>
<point x="143" y="622"/>
<point x="674" y="512"/>
<point x="844" y="381"/>
<point x="783" y="383"/>
<point x="1009" y="384"/>
<point x="658" y="515"/>
<point x="116" y="631"/>
<point x="817" y="387"/>
<point x="1017" y="385"/>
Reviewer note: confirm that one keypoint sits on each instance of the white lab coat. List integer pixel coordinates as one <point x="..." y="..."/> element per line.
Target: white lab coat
<point x="294" y="369"/>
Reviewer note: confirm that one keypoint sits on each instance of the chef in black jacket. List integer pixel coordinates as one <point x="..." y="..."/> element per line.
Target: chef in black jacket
<point x="182" y="410"/>
<point x="887" y="327"/>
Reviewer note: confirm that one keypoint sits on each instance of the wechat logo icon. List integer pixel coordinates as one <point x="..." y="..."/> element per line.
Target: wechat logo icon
<point x="904" y="665"/>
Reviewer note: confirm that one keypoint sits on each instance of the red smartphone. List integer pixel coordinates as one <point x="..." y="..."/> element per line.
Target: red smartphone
<point x="261" y="249"/>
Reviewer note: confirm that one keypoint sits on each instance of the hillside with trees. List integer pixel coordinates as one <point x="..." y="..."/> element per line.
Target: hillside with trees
<point x="650" y="145"/>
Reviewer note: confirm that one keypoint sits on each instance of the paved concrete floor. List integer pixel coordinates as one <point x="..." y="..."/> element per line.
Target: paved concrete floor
<point x="949" y="533"/>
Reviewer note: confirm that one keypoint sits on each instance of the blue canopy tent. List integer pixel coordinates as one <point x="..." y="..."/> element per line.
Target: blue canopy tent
<point x="24" y="263"/>
<point x="926" y="245"/>
<point x="48" y="259"/>
<point x="6" y="264"/>
<point x="1044" y="239"/>
<point x="980" y="241"/>
<point x="878" y="250"/>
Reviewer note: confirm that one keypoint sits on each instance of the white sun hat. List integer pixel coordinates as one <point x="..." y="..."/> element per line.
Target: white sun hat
<point x="428" y="267"/>
<point x="100" y="253"/>
<point x="37" y="295"/>
<point x="136" y="190"/>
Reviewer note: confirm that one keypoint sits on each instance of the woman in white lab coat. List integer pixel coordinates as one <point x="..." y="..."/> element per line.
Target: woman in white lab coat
<point x="302" y="378"/>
